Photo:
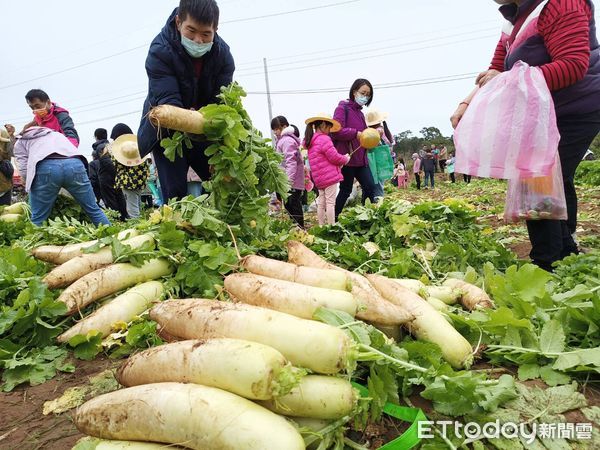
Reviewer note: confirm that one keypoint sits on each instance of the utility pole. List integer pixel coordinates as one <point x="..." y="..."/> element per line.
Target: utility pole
<point x="269" y="97"/>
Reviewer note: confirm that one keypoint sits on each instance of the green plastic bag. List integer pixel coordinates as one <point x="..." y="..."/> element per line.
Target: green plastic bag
<point x="410" y="438"/>
<point x="381" y="163"/>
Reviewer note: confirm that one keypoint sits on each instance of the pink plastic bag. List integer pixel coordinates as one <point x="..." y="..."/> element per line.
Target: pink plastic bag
<point x="509" y="129"/>
<point x="537" y="198"/>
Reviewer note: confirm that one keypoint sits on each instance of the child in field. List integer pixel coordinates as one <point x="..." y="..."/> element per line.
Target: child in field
<point x="401" y="174"/>
<point x="325" y="164"/>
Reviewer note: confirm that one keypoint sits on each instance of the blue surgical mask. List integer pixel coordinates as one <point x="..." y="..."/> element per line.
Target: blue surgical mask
<point x="194" y="49"/>
<point x="361" y="99"/>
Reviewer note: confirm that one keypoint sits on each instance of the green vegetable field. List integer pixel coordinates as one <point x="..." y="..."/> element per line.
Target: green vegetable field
<point x="212" y="323"/>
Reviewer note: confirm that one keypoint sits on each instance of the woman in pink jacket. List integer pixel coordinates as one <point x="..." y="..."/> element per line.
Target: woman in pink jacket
<point x="325" y="164"/>
<point x="288" y="145"/>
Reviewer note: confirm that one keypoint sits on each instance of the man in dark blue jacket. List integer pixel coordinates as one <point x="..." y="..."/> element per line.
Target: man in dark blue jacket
<point x="187" y="65"/>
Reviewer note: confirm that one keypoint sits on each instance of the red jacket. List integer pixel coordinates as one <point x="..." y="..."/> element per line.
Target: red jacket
<point x="325" y="161"/>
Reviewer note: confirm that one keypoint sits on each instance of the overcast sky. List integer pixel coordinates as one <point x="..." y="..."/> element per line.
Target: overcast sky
<point x="89" y="56"/>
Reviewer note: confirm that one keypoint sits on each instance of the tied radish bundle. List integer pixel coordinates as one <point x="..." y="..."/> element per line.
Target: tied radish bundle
<point x="284" y="296"/>
<point x="305" y="343"/>
<point x="376" y="308"/>
<point x="57" y="254"/>
<point x="111" y="279"/>
<point x="200" y="417"/>
<point x="248" y="369"/>
<point x="122" y="308"/>
<point x="323" y="278"/>
<point x="77" y="267"/>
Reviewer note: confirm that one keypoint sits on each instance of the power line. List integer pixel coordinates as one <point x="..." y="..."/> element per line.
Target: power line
<point x="398" y="84"/>
<point x="341" y="55"/>
<point x="266" y="16"/>
<point x="78" y="66"/>
<point x="137" y="111"/>
<point x="365" y="57"/>
<point x="68" y="69"/>
<point x="255" y="65"/>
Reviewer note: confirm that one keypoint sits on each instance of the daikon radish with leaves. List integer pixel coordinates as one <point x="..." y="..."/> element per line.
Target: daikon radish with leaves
<point x="179" y="119"/>
<point x="305" y="343"/>
<point x="122" y="308"/>
<point x="248" y="369"/>
<point x="292" y="298"/>
<point x="60" y="254"/>
<point x="317" y="397"/>
<point x="429" y="325"/>
<point x="472" y="297"/>
<point x="77" y="267"/>
<point x="310" y="276"/>
<point x="373" y="307"/>
<point x="199" y="417"/>
<point x="111" y="279"/>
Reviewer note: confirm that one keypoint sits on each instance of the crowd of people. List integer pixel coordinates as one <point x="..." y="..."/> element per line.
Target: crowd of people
<point x="187" y="65"/>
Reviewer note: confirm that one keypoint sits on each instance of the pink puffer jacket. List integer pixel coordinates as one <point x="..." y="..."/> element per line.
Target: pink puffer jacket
<point x="325" y="161"/>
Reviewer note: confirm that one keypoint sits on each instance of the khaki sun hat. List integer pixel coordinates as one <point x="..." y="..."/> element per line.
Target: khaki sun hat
<point x="325" y="118"/>
<point x="374" y="117"/>
<point x="125" y="150"/>
<point x="4" y="137"/>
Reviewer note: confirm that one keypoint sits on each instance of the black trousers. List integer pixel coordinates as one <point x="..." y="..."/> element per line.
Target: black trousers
<point x="365" y="179"/>
<point x="293" y="206"/>
<point x="173" y="175"/>
<point x="6" y="198"/>
<point x="418" y="180"/>
<point x="467" y="178"/>
<point x="551" y="240"/>
<point x="452" y="177"/>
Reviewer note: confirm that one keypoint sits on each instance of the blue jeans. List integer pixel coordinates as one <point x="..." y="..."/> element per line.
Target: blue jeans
<point x="429" y="176"/>
<point x="378" y="190"/>
<point x="53" y="174"/>
<point x="194" y="188"/>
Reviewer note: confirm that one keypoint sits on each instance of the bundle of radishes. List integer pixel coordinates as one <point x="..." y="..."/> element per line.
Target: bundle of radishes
<point x="239" y="367"/>
<point x="89" y="277"/>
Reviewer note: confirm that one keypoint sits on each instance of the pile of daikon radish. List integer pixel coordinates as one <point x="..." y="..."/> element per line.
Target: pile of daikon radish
<point x="247" y="374"/>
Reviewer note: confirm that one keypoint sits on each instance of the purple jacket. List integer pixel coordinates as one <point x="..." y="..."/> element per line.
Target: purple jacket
<point x="36" y="144"/>
<point x="293" y="165"/>
<point x="325" y="161"/>
<point x="345" y="140"/>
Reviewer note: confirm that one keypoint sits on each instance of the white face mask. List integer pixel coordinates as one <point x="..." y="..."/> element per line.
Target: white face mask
<point x="194" y="49"/>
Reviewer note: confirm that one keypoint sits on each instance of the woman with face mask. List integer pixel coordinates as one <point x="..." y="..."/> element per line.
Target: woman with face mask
<point x="559" y="37"/>
<point x="48" y="114"/>
<point x="350" y="115"/>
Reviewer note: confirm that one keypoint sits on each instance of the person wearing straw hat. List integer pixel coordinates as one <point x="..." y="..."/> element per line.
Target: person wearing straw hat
<point x="132" y="170"/>
<point x="325" y="163"/>
<point x="377" y="120"/>
<point x="6" y="168"/>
